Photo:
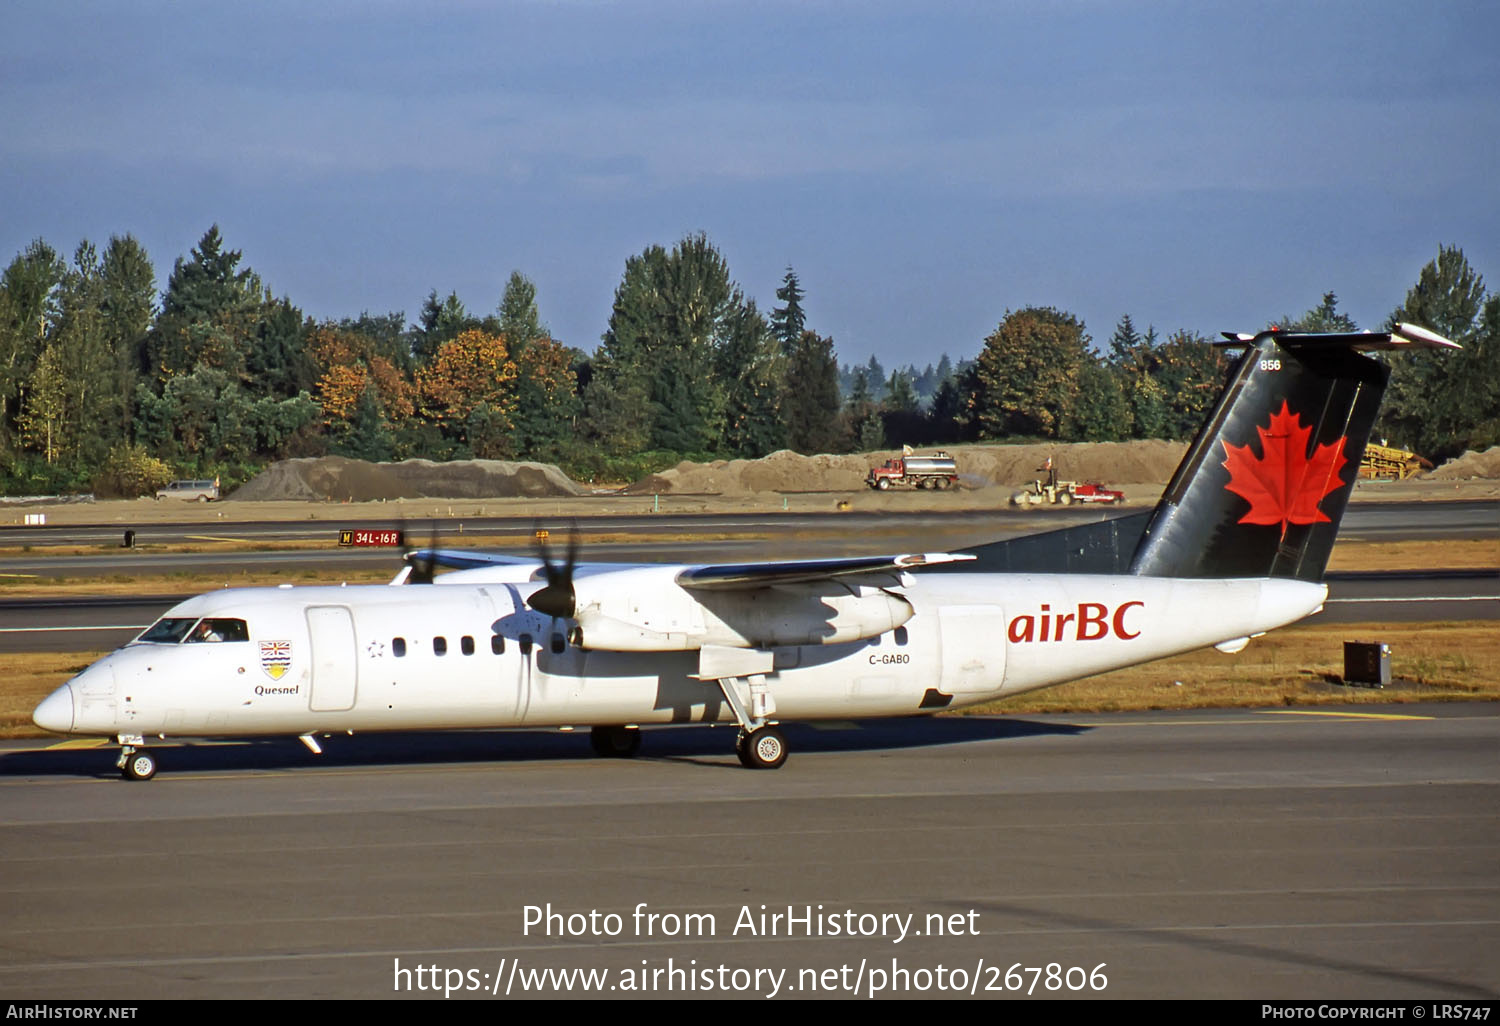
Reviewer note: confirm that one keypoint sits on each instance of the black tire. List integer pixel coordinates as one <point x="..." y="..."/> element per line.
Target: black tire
<point x="1065" y="498"/>
<point x="884" y="484"/>
<point x="742" y="751"/>
<point x="140" y="766"/>
<point x="615" y="742"/>
<point x="764" y="749"/>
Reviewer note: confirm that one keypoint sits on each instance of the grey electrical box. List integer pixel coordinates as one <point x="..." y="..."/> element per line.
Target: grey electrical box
<point x="1367" y="663"/>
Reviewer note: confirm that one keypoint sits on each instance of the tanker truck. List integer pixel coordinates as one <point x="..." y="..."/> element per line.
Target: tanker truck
<point x="913" y="471"/>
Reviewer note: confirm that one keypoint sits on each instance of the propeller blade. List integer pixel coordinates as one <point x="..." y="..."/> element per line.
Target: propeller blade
<point x="423" y="568"/>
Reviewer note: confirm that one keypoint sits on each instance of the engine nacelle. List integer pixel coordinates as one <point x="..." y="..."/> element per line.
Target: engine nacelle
<point x="676" y="619"/>
<point x="594" y="630"/>
<point x="818" y="613"/>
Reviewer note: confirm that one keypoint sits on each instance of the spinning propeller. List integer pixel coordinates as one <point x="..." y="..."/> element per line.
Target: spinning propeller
<point x="557" y="599"/>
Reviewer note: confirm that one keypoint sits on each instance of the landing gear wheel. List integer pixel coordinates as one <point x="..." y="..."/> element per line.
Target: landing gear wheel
<point x="762" y="749"/>
<point x="615" y="742"/>
<point x="139" y="766"/>
<point x="741" y="751"/>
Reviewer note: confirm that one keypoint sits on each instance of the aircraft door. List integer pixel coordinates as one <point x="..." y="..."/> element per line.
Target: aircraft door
<point x="335" y="666"/>
<point x="973" y="649"/>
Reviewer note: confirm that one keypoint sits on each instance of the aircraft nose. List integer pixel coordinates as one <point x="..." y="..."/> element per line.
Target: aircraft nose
<point x="55" y="713"/>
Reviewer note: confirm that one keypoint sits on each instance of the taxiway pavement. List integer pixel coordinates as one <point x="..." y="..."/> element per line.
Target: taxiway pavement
<point x="1297" y="853"/>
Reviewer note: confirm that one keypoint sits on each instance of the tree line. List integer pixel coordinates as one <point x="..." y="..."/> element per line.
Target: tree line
<point x="107" y="385"/>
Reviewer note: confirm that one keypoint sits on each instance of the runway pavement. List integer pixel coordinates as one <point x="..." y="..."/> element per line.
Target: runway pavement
<point x="87" y="623"/>
<point x="631" y="538"/>
<point x="91" y="624"/>
<point x="1248" y="854"/>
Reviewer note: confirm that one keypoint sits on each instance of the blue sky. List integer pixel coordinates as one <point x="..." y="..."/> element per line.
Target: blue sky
<point x="923" y="166"/>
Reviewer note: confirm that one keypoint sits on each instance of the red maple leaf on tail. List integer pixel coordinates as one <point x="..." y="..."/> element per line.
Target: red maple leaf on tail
<point x="1285" y="484"/>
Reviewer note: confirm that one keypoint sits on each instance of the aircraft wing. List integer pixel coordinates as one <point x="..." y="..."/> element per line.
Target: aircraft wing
<point x="458" y="559"/>
<point x="743" y="576"/>
<point x="716" y="577"/>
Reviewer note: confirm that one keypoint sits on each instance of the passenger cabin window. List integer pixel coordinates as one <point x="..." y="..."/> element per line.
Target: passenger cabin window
<point x="497" y="644"/>
<point x="215" y="629"/>
<point x="398" y="647"/>
<point x="466" y="645"/>
<point x="439" y="646"/>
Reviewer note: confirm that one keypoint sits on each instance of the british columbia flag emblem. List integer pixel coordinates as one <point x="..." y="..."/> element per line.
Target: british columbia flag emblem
<point x="275" y="658"/>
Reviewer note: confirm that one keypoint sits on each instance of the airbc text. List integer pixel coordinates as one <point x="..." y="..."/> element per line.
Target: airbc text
<point x="1088" y="621"/>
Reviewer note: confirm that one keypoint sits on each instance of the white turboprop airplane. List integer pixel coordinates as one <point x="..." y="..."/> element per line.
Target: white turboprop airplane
<point x="1236" y="547"/>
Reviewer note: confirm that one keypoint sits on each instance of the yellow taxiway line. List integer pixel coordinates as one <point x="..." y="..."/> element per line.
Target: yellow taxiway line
<point x="1345" y="715"/>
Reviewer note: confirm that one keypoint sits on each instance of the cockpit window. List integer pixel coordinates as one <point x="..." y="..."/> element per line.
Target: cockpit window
<point x="172" y="630"/>
<point x="168" y="630"/>
<point x="219" y="629"/>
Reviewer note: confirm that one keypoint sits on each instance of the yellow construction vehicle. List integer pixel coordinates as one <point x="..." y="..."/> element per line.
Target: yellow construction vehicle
<point x="1385" y="462"/>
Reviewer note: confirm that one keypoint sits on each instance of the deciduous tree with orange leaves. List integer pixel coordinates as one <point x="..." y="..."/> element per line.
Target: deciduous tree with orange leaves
<point x="473" y="369"/>
<point x="349" y="367"/>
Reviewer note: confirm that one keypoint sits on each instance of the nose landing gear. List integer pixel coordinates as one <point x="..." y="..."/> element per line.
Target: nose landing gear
<point x="135" y="763"/>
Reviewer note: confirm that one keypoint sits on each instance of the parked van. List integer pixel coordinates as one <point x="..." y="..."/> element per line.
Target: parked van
<point x="202" y="491"/>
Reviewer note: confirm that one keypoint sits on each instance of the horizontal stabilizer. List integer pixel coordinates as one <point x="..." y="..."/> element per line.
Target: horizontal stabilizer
<point x="1405" y="336"/>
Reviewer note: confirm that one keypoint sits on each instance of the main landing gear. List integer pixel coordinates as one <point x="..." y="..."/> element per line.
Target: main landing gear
<point x="135" y="763"/>
<point x="759" y="744"/>
<point x="762" y="748"/>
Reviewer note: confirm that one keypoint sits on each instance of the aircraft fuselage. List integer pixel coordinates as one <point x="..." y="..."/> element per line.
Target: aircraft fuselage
<point x="379" y="658"/>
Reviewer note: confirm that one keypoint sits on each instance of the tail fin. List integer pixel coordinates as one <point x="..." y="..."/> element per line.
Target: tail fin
<point x="1264" y="484"/>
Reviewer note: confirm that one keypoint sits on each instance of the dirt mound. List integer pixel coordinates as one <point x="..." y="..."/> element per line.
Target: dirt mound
<point x="1471" y="465"/>
<point x="335" y="478"/>
<point x="1143" y="462"/>
<point x="1148" y="461"/>
<point x="781" y="471"/>
<point x="344" y="480"/>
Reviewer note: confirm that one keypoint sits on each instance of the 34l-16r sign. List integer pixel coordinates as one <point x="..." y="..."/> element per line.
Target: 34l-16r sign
<point x="365" y="537"/>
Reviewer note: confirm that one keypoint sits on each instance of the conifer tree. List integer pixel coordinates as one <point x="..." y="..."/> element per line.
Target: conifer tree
<point x="1438" y="404"/>
<point x="788" y="322"/>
